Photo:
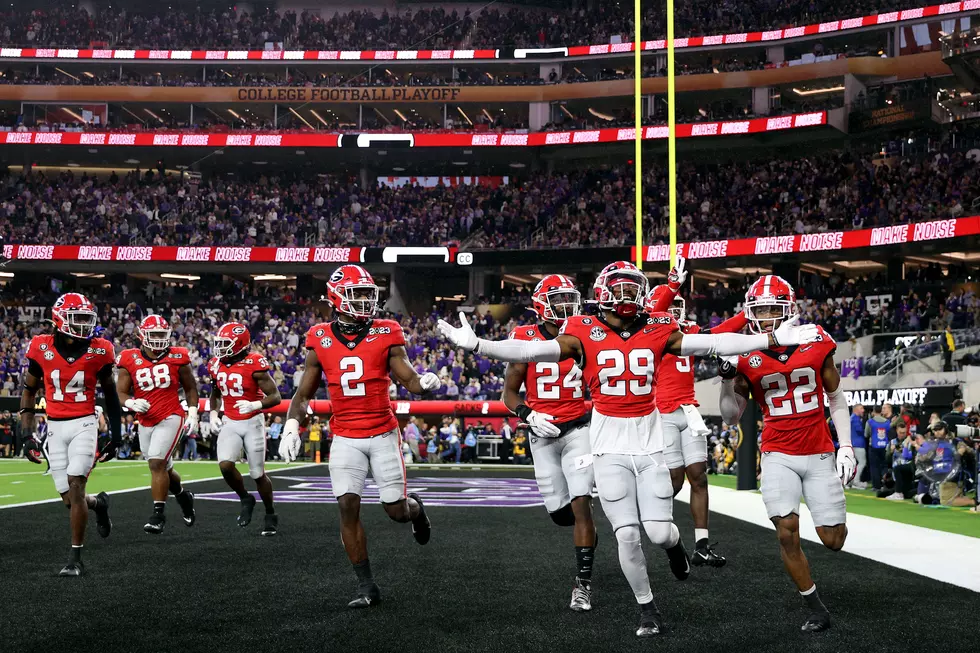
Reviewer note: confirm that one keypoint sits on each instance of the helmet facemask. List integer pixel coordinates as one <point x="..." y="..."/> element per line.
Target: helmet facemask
<point x="156" y="339"/>
<point x="561" y="304"/>
<point x="79" y="323"/>
<point x="359" y="301"/>
<point x="766" y="315"/>
<point x="625" y="293"/>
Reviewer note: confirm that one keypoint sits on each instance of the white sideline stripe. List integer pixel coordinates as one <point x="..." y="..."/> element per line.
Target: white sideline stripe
<point x="889" y="542"/>
<point x="144" y="487"/>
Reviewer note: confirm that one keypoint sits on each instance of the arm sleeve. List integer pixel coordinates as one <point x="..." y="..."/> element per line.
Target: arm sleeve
<point x="663" y="304"/>
<point x="840" y="417"/>
<point x="732" y="324"/>
<point x="721" y="344"/>
<point x="112" y="408"/>
<point x="731" y="404"/>
<point x="520" y="351"/>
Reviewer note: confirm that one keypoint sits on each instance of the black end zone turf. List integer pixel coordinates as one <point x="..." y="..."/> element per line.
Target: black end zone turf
<point x="491" y="579"/>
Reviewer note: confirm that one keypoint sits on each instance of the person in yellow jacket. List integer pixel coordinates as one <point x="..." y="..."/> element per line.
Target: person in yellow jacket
<point x="949" y="346"/>
<point x="316" y="434"/>
<point x="520" y="447"/>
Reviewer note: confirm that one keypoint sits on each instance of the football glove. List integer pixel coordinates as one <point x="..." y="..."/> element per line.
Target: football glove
<point x="246" y="407"/>
<point x="790" y="333"/>
<point x="137" y="405"/>
<point x="290" y="442"/>
<point x="727" y="367"/>
<point x="215" y="422"/>
<point x="429" y="382"/>
<point x="541" y="424"/>
<point x="32" y="449"/>
<point x="192" y="423"/>
<point x="461" y="336"/>
<point x="108" y="451"/>
<point x="677" y="275"/>
<point x="846" y="464"/>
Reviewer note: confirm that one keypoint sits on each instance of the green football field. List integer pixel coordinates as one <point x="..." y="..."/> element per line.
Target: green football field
<point x="22" y="482"/>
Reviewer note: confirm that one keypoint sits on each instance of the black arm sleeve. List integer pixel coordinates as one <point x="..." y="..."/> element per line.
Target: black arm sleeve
<point x="113" y="410"/>
<point x="34" y="369"/>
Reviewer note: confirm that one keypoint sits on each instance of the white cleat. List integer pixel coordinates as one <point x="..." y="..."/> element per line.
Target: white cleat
<point x="581" y="596"/>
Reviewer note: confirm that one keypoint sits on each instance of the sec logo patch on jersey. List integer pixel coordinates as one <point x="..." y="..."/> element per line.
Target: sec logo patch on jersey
<point x="755" y="361"/>
<point x="48" y="355"/>
<point x="597" y="334"/>
<point x="325" y="342"/>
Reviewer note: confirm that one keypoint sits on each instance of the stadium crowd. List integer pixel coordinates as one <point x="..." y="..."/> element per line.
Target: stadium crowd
<point x="573" y="22"/>
<point x="580" y="209"/>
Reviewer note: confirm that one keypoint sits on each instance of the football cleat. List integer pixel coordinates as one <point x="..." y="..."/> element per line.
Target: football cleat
<point x="651" y="623"/>
<point x="186" y="502"/>
<point x="367" y="596"/>
<point x="72" y="569"/>
<point x="271" y="526"/>
<point x="705" y="555"/>
<point x="816" y="622"/>
<point x="102" y="521"/>
<point x="680" y="564"/>
<point x="581" y="596"/>
<point x="245" y="516"/>
<point x="421" y="528"/>
<point x="154" y="525"/>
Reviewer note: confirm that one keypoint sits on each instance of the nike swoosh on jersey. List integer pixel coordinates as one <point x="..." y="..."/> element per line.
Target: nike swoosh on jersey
<point x="371" y="339"/>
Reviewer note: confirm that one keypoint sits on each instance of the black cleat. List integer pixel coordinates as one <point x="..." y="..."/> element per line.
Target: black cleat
<point x="816" y="622"/>
<point x="705" y="555"/>
<point x="102" y="521"/>
<point x="680" y="565"/>
<point x="245" y="516"/>
<point x="271" y="526"/>
<point x="154" y="525"/>
<point x="186" y="502"/>
<point x="367" y="596"/>
<point x="421" y="528"/>
<point x="651" y="624"/>
<point x="72" y="569"/>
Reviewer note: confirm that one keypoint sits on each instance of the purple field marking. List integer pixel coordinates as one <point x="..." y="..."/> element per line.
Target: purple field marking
<point x="437" y="491"/>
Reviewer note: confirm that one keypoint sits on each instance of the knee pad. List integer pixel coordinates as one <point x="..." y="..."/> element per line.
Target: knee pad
<point x="564" y="516"/>
<point x="662" y="533"/>
<point x="628" y="536"/>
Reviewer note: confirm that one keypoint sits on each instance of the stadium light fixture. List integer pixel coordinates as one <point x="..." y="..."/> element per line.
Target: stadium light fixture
<point x="817" y="91"/>
<point x="181" y="277"/>
<point x="318" y="117"/>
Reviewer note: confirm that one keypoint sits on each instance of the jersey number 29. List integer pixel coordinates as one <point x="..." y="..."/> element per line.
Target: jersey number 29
<point x="639" y="363"/>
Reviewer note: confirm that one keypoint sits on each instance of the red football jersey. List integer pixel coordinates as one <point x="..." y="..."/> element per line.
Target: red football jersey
<point x="788" y="387"/>
<point x="552" y="388"/>
<point x="69" y="384"/>
<point x="237" y="382"/>
<point x="157" y="381"/>
<point x="620" y="366"/>
<point x="357" y="374"/>
<point x="675" y="379"/>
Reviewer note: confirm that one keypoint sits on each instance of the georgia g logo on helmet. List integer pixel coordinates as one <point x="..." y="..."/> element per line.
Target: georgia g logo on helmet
<point x="231" y="339"/>
<point x="74" y="315"/>
<point x="351" y="291"/>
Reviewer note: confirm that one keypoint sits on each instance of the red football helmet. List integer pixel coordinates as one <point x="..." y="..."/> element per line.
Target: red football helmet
<point x="622" y="288"/>
<point x="768" y="302"/>
<point x="556" y="299"/>
<point x="74" y="315"/>
<point x="231" y="339"/>
<point x="677" y="308"/>
<point x="351" y="290"/>
<point x="155" y="333"/>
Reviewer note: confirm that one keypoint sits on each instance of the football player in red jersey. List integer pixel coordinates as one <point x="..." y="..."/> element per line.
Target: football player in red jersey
<point x="147" y="384"/>
<point x="620" y="351"/>
<point x="241" y="383"/>
<point x="685" y="447"/>
<point x="554" y="408"/>
<point x="789" y="383"/>
<point x="70" y="364"/>
<point x="359" y="354"/>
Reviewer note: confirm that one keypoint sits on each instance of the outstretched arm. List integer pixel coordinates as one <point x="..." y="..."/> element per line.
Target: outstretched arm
<point x="730" y="344"/>
<point x="512" y="351"/>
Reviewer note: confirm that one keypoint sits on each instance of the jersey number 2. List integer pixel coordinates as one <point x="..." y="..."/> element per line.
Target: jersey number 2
<point x="804" y="397"/>
<point x="353" y="369"/>
<point x="76" y="386"/>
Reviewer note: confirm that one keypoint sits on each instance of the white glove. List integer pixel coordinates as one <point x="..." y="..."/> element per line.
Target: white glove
<point x="677" y="275"/>
<point x="244" y="406"/>
<point x="429" y="381"/>
<point x="541" y="424"/>
<point x="192" y="421"/>
<point x="290" y="442"/>
<point x="215" y="422"/>
<point x="790" y="333"/>
<point x="137" y="405"/>
<point x="461" y="336"/>
<point x="846" y="464"/>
